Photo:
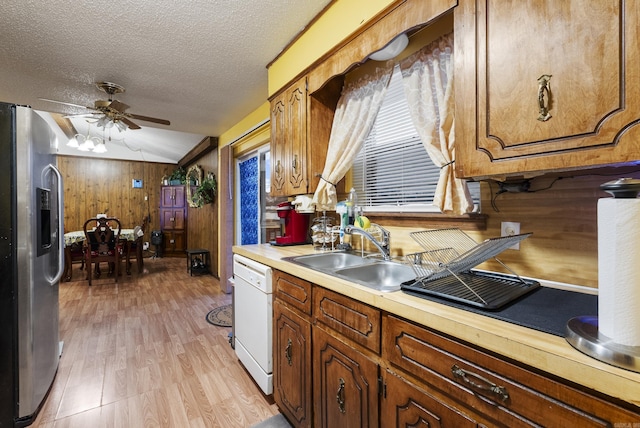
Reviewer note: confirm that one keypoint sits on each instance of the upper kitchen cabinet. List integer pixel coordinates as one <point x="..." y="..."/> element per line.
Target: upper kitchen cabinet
<point x="546" y="86"/>
<point x="289" y="141"/>
<point x="302" y="111"/>
<point x="300" y="128"/>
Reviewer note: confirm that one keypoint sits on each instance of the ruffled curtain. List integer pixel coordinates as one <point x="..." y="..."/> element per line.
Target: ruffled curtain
<point x="427" y="78"/>
<point x="355" y="114"/>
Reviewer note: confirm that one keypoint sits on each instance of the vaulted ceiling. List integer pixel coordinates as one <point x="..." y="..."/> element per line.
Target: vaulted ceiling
<point x="201" y="64"/>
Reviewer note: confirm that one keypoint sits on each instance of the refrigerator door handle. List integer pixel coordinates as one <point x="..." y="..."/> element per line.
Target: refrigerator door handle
<point x="60" y="232"/>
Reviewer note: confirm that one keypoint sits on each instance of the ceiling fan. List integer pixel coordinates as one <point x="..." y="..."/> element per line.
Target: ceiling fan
<point x="111" y="112"/>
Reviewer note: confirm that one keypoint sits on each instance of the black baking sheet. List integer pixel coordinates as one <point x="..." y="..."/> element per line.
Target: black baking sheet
<point x="544" y="309"/>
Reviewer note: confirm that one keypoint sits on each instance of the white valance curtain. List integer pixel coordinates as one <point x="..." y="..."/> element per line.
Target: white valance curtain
<point x="355" y="114"/>
<point x="427" y="78"/>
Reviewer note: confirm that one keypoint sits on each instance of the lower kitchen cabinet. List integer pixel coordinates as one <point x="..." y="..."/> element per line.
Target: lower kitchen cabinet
<point x="292" y="365"/>
<point x="345" y="384"/>
<point x="364" y="367"/>
<point x="405" y="405"/>
<point x="491" y="389"/>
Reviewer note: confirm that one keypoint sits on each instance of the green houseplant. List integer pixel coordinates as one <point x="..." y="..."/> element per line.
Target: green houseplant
<point x="178" y="176"/>
<point x="205" y="193"/>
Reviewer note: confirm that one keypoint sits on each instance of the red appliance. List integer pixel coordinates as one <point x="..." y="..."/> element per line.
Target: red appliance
<point x="294" y="226"/>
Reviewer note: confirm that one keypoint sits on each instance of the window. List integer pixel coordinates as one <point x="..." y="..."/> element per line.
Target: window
<point x="252" y="187"/>
<point x="393" y="171"/>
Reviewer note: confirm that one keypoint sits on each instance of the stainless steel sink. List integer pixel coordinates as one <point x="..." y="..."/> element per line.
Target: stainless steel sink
<point x="329" y="262"/>
<point x="381" y="276"/>
<point x="371" y="272"/>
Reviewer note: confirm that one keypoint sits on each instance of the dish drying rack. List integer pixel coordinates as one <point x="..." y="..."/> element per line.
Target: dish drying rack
<point x="445" y="269"/>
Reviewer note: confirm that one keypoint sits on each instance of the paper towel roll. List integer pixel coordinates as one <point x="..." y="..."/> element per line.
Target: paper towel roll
<point x="619" y="269"/>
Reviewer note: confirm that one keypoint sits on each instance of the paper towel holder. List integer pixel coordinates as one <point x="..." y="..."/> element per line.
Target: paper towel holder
<point x="582" y="332"/>
<point x="622" y="187"/>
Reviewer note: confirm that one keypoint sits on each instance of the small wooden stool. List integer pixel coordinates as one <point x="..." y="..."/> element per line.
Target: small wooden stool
<point x="191" y="255"/>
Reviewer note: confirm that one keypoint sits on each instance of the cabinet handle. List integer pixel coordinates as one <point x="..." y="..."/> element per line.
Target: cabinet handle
<point x="544" y="86"/>
<point x="278" y="166"/>
<point x="486" y="385"/>
<point x="295" y="163"/>
<point x="340" y="395"/>
<point x="287" y="352"/>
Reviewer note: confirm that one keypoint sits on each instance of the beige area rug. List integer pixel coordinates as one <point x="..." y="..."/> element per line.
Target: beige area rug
<point x="221" y="316"/>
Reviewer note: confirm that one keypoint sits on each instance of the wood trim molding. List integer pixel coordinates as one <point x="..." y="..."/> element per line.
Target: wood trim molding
<point x="203" y="147"/>
<point x="474" y="222"/>
<point x="399" y="18"/>
<point x="65" y="125"/>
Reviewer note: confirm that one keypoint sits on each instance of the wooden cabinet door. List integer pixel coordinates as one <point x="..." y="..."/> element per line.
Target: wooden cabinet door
<point x="289" y="141"/>
<point x="172" y="218"/>
<point x="278" y="147"/>
<point x="292" y="385"/>
<point x="172" y="196"/>
<point x="404" y="405"/>
<point x="180" y="196"/>
<point x="296" y="106"/>
<point x="345" y="384"/>
<point x="174" y="241"/>
<point x="178" y="219"/>
<point x="166" y="196"/>
<point x="590" y="52"/>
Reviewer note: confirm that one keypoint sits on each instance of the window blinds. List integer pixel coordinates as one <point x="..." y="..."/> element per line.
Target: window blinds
<point x="393" y="170"/>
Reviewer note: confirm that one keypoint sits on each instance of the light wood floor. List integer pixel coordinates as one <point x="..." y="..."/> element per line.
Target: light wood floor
<point x="139" y="353"/>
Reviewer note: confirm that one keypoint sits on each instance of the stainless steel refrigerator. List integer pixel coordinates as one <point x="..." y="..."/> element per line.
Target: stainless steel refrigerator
<point x="31" y="263"/>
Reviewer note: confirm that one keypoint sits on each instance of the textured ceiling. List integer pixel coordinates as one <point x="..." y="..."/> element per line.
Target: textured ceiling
<point x="200" y="64"/>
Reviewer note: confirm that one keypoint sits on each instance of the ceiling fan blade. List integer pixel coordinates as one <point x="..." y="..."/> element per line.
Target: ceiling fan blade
<point x="119" y="106"/>
<point x="129" y="123"/>
<point x="71" y="116"/>
<point x="67" y="104"/>
<point x="149" y="119"/>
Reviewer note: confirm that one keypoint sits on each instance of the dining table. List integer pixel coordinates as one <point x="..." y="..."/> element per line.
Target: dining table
<point x="77" y="237"/>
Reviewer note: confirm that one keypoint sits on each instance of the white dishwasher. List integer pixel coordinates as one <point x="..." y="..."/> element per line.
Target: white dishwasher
<point x="253" y="319"/>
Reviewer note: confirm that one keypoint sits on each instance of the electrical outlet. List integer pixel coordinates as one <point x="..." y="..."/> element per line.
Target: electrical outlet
<point x="510" y="228"/>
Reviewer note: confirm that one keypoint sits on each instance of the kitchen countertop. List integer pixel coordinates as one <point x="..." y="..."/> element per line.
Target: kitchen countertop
<point x="543" y="351"/>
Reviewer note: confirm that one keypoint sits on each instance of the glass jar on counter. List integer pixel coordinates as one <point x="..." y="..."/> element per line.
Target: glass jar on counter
<point x="322" y="233"/>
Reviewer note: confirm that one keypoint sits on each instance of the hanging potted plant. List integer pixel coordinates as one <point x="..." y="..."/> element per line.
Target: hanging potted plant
<point x="205" y="193"/>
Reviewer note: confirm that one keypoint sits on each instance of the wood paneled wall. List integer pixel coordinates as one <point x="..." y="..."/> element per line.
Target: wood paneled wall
<point x="563" y="220"/>
<point x="93" y="186"/>
<point x="202" y="223"/>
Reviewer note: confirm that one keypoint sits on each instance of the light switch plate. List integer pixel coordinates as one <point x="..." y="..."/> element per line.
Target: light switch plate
<point x="510" y="228"/>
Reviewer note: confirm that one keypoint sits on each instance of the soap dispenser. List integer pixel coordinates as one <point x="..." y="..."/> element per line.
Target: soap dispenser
<point x="352" y="205"/>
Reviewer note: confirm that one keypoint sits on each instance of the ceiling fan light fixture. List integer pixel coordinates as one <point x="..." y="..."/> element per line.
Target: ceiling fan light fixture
<point x="103" y="122"/>
<point x="100" y="148"/>
<point x="120" y="125"/>
<point x="73" y="143"/>
<point x="87" y="146"/>
<point x="87" y="143"/>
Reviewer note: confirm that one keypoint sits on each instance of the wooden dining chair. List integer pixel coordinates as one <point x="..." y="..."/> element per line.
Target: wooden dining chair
<point x="135" y="247"/>
<point x="103" y="245"/>
<point x="75" y="252"/>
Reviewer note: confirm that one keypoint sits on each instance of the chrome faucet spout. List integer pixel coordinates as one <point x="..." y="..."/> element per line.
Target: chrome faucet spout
<point x="384" y="247"/>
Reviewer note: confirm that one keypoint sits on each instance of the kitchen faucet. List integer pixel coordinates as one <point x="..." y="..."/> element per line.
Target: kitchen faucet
<point x="384" y="246"/>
